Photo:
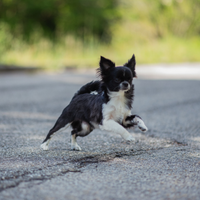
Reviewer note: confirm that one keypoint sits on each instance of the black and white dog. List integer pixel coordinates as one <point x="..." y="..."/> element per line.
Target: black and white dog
<point x="104" y="104"/>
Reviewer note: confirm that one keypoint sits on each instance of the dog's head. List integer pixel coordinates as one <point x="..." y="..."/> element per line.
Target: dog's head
<point x="117" y="78"/>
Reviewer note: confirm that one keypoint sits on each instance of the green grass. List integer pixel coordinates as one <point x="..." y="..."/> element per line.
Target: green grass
<point x="156" y="32"/>
<point x="75" y="54"/>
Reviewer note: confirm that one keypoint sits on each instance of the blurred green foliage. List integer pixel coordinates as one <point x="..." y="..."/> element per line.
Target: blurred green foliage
<point x="57" y="33"/>
<point x="55" y="18"/>
<point x="161" y="18"/>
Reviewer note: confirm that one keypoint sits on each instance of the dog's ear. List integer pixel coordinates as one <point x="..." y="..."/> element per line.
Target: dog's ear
<point x="105" y="66"/>
<point x="131" y="65"/>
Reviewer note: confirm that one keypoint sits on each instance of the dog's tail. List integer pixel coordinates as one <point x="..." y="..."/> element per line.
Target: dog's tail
<point x="62" y="122"/>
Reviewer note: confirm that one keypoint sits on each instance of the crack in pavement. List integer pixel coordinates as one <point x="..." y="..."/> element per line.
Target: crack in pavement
<point x="50" y="172"/>
<point x="72" y="164"/>
<point x="33" y="177"/>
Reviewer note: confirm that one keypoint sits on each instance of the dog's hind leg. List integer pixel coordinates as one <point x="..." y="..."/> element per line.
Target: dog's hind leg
<point x="74" y="145"/>
<point x="59" y="126"/>
<point x="80" y="128"/>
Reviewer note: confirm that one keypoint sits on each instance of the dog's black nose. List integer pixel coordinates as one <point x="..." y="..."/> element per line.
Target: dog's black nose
<point x="125" y="84"/>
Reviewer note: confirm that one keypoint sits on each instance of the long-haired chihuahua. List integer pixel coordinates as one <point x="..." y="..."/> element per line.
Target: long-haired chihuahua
<point x="104" y="104"/>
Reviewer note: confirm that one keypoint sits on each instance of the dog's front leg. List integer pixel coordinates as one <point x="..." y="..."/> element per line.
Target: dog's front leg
<point x="133" y="121"/>
<point x="111" y="125"/>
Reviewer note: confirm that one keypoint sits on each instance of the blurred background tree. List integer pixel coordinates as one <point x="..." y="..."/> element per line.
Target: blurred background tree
<point x="55" y="18"/>
<point x="58" y="33"/>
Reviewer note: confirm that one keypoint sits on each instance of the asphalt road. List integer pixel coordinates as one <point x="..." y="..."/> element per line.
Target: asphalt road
<point x="164" y="164"/>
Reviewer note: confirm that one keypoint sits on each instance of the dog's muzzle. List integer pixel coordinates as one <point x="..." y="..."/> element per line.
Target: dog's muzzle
<point x="125" y="86"/>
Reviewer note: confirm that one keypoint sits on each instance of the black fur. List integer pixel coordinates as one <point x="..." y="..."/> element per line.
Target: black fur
<point x="93" y="86"/>
<point x="131" y="64"/>
<point x="83" y="107"/>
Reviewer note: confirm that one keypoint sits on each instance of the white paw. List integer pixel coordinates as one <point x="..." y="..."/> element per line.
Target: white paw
<point x="76" y="147"/>
<point x="141" y="125"/>
<point x="143" y="129"/>
<point x="44" y="146"/>
<point x="130" y="138"/>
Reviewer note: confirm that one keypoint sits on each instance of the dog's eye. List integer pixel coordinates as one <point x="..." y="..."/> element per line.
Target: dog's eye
<point x="117" y="80"/>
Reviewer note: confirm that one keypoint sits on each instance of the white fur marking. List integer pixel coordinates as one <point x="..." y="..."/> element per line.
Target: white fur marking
<point x="85" y="127"/>
<point x="74" y="145"/>
<point x="94" y="92"/>
<point x="44" y="145"/>
<point x="116" y="108"/>
<point x="115" y="112"/>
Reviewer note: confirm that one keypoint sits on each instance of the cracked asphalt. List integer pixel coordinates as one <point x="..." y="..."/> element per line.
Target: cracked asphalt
<point x="164" y="164"/>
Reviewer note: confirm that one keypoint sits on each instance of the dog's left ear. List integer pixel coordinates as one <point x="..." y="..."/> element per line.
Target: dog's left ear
<point x="131" y="65"/>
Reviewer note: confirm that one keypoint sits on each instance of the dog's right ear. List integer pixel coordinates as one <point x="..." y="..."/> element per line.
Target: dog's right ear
<point x="105" y="66"/>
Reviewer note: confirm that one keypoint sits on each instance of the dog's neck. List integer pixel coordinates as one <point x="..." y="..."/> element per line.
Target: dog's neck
<point x="113" y="94"/>
<point x="118" y="98"/>
<point x="118" y="94"/>
<point x="127" y="95"/>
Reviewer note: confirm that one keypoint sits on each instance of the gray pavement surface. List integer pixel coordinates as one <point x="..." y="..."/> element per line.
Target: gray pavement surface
<point x="164" y="164"/>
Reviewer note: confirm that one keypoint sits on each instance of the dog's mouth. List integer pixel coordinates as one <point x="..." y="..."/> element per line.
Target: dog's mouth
<point x="125" y="89"/>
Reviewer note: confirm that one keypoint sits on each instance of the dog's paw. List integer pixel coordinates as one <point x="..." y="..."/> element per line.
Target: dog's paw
<point x="75" y="147"/>
<point x="143" y="129"/>
<point x="130" y="138"/>
<point x="141" y="125"/>
<point x="44" y="146"/>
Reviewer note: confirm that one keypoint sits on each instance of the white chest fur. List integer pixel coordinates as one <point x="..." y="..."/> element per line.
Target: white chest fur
<point x="116" y="109"/>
